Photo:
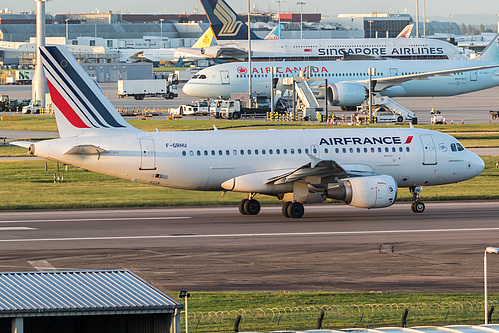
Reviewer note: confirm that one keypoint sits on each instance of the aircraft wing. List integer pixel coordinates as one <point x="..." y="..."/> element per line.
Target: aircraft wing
<point x="86" y="150"/>
<point x="316" y="168"/>
<point x="386" y="82"/>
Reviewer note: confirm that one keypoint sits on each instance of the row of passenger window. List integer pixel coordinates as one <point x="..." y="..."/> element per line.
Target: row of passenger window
<point x="291" y="151"/>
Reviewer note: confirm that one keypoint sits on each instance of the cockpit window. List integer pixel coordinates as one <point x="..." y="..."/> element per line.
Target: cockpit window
<point x="453" y="147"/>
<point x="459" y="147"/>
<point x="202" y="77"/>
<point x="195" y="76"/>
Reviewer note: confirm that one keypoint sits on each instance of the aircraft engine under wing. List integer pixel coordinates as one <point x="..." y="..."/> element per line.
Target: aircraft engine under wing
<point x="231" y="53"/>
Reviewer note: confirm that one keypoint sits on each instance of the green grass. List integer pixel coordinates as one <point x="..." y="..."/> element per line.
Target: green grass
<point x="82" y="189"/>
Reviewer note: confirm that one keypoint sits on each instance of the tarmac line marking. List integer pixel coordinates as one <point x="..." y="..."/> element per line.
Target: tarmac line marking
<point x="42" y="265"/>
<point x="15" y="228"/>
<point x="278" y="234"/>
<point x="100" y="219"/>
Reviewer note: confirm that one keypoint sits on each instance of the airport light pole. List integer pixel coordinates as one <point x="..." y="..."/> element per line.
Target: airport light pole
<point x="493" y="250"/>
<point x="161" y="23"/>
<point x="417" y="19"/>
<point x="186" y="295"/>
<point x="279" y="17"/>
<point x="301" y="3"/>
<point x="370" y="28"/>
<point x="250" y="102"/>
<point x="424" y="18"/>
<point x="67" y="33"/>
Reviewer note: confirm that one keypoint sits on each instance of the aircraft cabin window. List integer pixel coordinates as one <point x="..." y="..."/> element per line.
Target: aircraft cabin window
<point x="453" y="147"/>
<point x="372" y="150"/>
<point x="249" y="151"/>
<point x="256" y="151"/>
<point x="284" y="151"/>
<point x="386" y="150"/>
<point x="365" y="150"/>
<point x="325" y="150"/>
<point x="459" y="147"/>
<point x="379" y="149"/>
<point x="315" y="150"/>
<point x="198" y="153"/>
<point x="358" y="150"/>
<point x="306" y="150"/>
<point x="184" y="153"/>
<point x="191" y="153"/>
<point x="394" y="149"/>
<point x="212" y="153"/>
<point x="205" y="153"/>
<point x="271" y="151"/>
<point x="233" y="152"/>
<point x="351" y="150"/>
<point x="263" y="151"/>
<point x="344" y="150"/>
<point x="277" y="151"/>
<point x="337" y="150"/>
<point x="242" y="152"/>
<point x="407" y="149"/>
<point x="299" y="150"/>
<point x="221" y="153"/>
<point x="401" y="149"/>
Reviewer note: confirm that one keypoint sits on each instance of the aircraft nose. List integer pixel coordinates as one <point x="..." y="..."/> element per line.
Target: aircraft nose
<point x="476" y="164"/>
<point x="187" y="89"/>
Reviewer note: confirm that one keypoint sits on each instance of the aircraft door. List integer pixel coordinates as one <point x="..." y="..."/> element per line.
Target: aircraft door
<point x="314" y="150"/>
<point x="473" y="76"/>
<point x="393" y="72"/>
<point x="224" y="75"/>
<point x="429" y="151"/>
<point x="147" y="155"/>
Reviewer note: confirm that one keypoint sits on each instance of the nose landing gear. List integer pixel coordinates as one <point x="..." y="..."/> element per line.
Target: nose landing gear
<point x="416" y="206"/>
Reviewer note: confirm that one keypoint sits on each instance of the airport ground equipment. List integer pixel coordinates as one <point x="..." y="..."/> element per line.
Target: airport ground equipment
<point x="437" y="117"/>
<point x="139" y="89"/>
<point x="494" y="115"/>
<point x="192" y="109"/>
<point x="4" y="100"/>
<point x="24" y="76"/>
<point x="34" y="106"/>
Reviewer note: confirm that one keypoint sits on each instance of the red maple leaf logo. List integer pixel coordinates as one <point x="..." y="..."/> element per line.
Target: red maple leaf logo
<point x="241" y="70"/>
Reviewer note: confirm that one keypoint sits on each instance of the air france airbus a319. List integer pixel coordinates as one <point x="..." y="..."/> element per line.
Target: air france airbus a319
<point x="362" y="167"/>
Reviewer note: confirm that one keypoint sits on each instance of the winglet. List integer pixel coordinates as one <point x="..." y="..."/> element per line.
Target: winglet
<point x="313" y="160"/>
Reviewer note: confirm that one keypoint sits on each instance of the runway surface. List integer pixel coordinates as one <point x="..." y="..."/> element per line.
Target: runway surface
<point x="334" y="247"/>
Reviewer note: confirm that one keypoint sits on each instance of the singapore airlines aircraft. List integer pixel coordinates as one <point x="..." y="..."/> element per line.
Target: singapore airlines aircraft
<point x="362" y="167"/>
<point x="348" y="80"/>
<point x="232" y="37"/>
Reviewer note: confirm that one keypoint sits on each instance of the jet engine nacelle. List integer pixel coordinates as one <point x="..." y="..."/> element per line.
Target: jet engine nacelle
<point x="346" y="94"/>
<point x="366" y="192"/>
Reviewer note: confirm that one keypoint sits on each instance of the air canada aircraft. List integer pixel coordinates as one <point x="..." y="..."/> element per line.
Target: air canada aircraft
<point x="231" y="33"/>
<point x="348" y="80"/>
<point x="362" y="167"/>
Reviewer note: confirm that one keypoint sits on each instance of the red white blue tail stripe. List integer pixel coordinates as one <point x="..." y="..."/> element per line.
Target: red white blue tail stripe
<point x="75" y="95"/>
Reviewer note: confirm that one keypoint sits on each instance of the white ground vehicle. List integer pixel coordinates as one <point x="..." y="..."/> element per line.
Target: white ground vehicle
<point x="437" y="117"/>
<point x="230" y="109"/>
<point x="193" y="108"/>
<point x="33" y="107"/>
<point x="215" y="106"/>
<point x="139" y="89"/>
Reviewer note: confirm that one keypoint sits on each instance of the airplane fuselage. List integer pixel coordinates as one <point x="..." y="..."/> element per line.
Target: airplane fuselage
<point x="224" y="79"/>
<point x="204" y="160"/>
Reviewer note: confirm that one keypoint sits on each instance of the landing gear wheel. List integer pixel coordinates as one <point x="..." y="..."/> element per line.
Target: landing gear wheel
<point x="417" y="207"/>
<point x="252" y="207"/>
<point x="296" y="210"/>
<point x="285" y="209"/>
<point x="241" y="206"/>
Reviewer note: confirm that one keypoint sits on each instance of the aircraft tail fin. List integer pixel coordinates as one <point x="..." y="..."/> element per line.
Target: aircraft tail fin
<point x="406" y="32"/>
<point x="491" y="52"/>
<point x="225" y="22"/>
<point x="274" y="34"/>
<point x="80" y="105"/>
<point x="205" y="39"/>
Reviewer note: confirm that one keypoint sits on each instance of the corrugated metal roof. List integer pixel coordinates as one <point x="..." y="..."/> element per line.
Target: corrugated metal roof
<point x="83" y="292"/>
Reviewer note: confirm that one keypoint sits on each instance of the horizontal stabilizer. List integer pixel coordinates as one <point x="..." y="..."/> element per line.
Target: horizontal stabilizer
<point x="86" y="150"/>
<point x="24" y="144"/>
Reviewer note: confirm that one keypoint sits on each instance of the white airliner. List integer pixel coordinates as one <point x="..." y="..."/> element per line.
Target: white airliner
<point x="348" y="80"/>
<point x="231" y="33"/>
<point x="362" y="167"/>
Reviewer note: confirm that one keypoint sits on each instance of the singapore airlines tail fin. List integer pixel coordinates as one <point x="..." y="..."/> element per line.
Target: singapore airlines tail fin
<point x="81" y="107"/>
<point x="226" y="24"/>
<point x="205" y="39"/>
<point x="406" y="32"/>
<point x="491" y="52"/>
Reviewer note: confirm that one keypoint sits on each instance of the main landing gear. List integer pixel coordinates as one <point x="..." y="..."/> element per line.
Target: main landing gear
<point x="293" y="210"/>
<point x="249" y="206"/>
<point x="417" y="206"/>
